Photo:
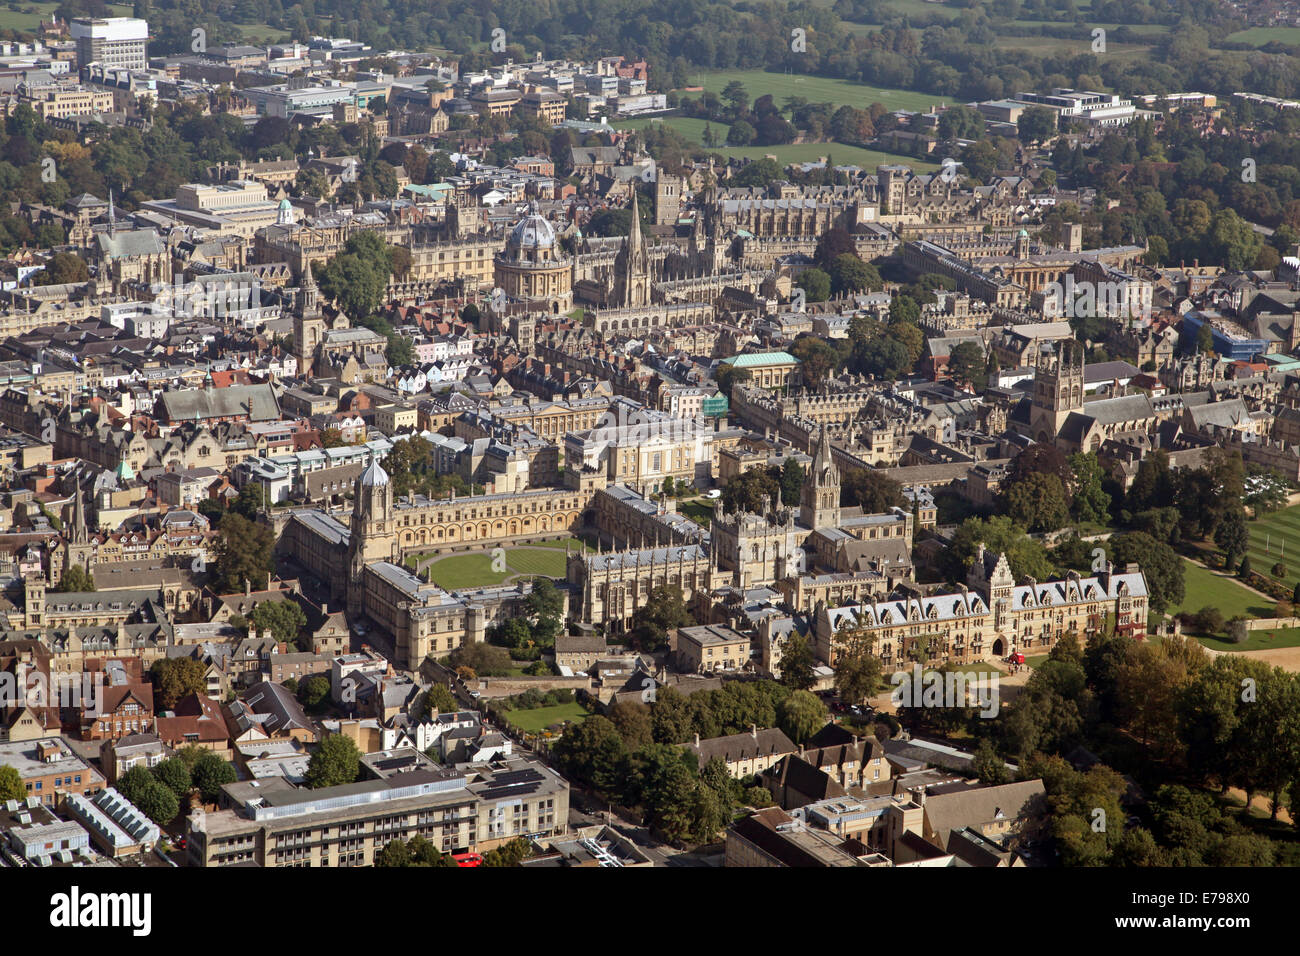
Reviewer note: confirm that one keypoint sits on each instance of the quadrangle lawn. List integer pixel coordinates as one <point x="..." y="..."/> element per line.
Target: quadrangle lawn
<point x="539" y="718"/>
<point x="474" y="569"/>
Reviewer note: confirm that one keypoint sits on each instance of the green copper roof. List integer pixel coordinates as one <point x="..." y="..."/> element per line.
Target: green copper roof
<point x="754" y="359"/>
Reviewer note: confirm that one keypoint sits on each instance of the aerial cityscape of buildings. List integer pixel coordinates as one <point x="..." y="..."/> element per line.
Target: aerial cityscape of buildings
<point x="432" y="459"/>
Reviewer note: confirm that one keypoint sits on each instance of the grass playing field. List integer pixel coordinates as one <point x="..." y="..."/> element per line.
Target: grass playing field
<point x="1203" y="588"/>
<point x="816" y="89"/>
<point x="1275" y="538"/>
<point x="539" y="718"/>
<point x="28" y="16"/>
<point x="839" y="154"/>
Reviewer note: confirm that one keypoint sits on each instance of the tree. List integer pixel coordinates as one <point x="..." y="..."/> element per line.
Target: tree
<point x="741" y="134"/>
<point x="1232" y="536"/>
<point x="483" y="659"/>
<point x="632" y="720"/>
<point x="313" y="691"/>
<point x="831" y="244"/>
<point x="872" y="491"/>
<point x="11" y="784"/>
<point x="62" y="268"/>
<point x="670" y="719"/>
<point x="858" y="672"/>
<point x="1036" y="124"/>
<point x="76" y="580"/>
<point x="801" y="715"/>
<point x="1091" y="502"/>
<point x="176" y="678"/>
<point x="439" y="700"/>
<point x="1161" y="566"/>
<point x="998" y="534"/>
<point x="210" y="774"/>
<point x="849" y="274"/>
<point x="988" y="766"/>
<point x="158" y="803"/>
<point x="244" y="552"/>
<point x="817" y="359"/>
<point x="400" y="351"/>
<point x="394" y="853"/>
<point x="792" y="479"/>
<point x="965" y="361"/>
<point x="282" y="619"/>
<point x="174" y="775"/>
<point x="1037" y="502"/>
<point x="663" y="610"/>
<point x="336" y="761"/>
<point x="593" y="753"/>
<point x="729" y="374"/>
<point x="797" y="662"/>
<point x="815" y="283"/>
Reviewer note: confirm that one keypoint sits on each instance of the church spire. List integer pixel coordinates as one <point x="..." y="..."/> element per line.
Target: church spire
<point x="79" y="534"/>
<point x="634" y="232"/>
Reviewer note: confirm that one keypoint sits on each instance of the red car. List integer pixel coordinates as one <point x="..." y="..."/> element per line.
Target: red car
<point x="467" y="859"/>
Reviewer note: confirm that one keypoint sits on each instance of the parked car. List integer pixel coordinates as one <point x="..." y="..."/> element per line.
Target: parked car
<point x="714" y="493"/>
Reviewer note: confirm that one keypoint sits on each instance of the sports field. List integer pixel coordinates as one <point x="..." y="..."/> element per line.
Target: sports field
<point x="1274" y="538"/>
<point x="816" y="89"/>
<point x="838" y="154"/>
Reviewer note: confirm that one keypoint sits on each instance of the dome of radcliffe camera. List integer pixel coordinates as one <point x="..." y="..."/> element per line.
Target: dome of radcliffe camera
<point x="533" y="232"/>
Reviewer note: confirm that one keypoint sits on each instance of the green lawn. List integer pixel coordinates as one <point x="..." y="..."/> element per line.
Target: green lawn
<point x="1257" y="641"/>
<point x="539" y="718"/>
<point x="1262" y="36"/>
<point x="474" y="569"/>
<point x="28" y="16"/>
<point x="545" y="561"/>
<point x="575" y="544"/>
<point x="1275" y="538"/>
<point x="1203" y="588"/>
<point x="700" y="511"/>
<point x="816" y="89"/>
<point x="1036" y="661"/>
<point x="838" y="153"/>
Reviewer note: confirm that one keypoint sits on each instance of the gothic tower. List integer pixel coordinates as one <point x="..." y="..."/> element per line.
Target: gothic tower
<point x="77" y="550"/>
<point x="308" y="323"/>
<point x="668" y="198"/>
<point x="373" y="536"/>
<point x="1058" y="389"/>
<point x="819" y="500"/>
<point x="632" y="267"/>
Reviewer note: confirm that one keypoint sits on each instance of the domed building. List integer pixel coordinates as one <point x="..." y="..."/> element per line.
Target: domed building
<point x="532" y="267"/>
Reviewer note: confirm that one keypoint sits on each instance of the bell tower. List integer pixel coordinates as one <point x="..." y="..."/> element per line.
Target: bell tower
<point x="308" y="323"/>
<point x="819" y="500"/>
<point x="373" y="536"/>
<point x="1058" y="389"/>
